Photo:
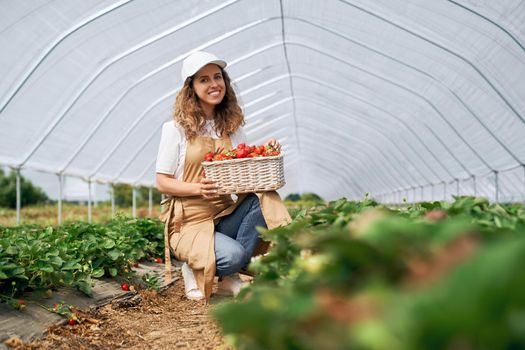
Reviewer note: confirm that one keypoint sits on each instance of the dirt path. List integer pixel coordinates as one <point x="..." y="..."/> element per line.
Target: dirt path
<point x="159" y="321"/>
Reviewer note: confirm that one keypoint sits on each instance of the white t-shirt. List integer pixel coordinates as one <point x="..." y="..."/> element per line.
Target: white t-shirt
<point x="172" y="148"/>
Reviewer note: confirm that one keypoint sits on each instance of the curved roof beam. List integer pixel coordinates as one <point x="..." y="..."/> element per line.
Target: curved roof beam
<point x="286" y="99"/>
<point x="337" y="111"/>
<point x="400" y="120"/>
<point x="311" y="23"/>
<point x="374" y="177"/>
<point x="131" y="126"/>
<point x="309" y="78"/>
<point x="347" y="183"/>
<point x="365" y="120"/>
<point x="449" y="51"/>
<point x="380" y="176"/>
<point x="415" y="69"/>
<point x="63" y="36"/>
<point x="508" y="33"/>
<point x="242" y="29"/>
<point x="131" y="50"/>
<point x="346" y="116"/>
<point x="290" y="82"/>
<point x="420" y="97"/>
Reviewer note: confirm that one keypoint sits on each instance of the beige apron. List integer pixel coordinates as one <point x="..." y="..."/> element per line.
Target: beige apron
<point x="190" y="221"/>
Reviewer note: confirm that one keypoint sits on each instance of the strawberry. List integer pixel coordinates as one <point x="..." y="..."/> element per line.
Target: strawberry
<point x="72" y="322"/>
<point x="158" y="260"/>
<point x="208" y="157"/>
<point x="241" y="153"/>
<point x="125" y="287"/>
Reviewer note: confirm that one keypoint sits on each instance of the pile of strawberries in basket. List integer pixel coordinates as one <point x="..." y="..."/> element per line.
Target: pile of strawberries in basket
<point x="242" y="151"/>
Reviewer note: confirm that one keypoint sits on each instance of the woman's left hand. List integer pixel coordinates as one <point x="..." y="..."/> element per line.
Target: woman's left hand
<point x="273" y="143"/>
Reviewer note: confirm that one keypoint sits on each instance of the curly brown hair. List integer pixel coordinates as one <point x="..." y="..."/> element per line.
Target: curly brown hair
<point x="189" y="114"/>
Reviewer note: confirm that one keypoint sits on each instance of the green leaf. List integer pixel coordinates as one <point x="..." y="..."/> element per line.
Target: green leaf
<point x="71" y="265"/>
<point x="108" y="244"/>
<point x="98" y="273"/>
<point x="46" y="269"/>
<point x="85" y="287"/>
<point x="11" y="250"/>
<point x="113" y="271"/>
<point x="114" y="254"/>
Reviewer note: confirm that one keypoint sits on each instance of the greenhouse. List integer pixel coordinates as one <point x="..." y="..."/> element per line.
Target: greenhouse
<point x="407" y="114"/>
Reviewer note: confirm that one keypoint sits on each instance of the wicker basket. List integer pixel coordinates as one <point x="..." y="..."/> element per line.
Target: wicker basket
<point x="245" y="175"/>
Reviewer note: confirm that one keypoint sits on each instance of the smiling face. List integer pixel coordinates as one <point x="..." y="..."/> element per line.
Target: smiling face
<point x="209" y="86"/>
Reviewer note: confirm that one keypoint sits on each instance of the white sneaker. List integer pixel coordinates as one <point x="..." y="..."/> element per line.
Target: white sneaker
<point x="230" y="285"/>
<point x="190" y="284"/>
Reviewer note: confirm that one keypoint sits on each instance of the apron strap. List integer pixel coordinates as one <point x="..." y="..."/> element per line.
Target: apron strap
<point x="174" y="212"/>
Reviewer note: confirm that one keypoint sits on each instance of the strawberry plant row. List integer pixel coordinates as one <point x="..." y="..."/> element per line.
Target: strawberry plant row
<point x="359" y="275"/>
<point x="44" y="258"/>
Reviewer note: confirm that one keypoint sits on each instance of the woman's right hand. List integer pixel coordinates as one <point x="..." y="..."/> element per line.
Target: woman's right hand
<point x="208" y="188"/>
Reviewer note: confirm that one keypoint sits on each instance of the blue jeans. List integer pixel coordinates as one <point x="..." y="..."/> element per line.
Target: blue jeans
<point x="236" y="237"/>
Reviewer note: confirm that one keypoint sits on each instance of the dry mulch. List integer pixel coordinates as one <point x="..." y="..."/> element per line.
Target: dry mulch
<point x="165" y="320"/>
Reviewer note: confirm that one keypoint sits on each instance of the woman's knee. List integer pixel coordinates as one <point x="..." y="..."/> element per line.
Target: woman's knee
<point x="231" y="259"/>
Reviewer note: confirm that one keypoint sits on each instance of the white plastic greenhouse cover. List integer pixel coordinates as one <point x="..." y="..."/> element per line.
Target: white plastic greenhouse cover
<point x="417" y="98"/>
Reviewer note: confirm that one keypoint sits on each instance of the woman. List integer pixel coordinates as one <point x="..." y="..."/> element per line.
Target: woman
<point x="212" y="234"/>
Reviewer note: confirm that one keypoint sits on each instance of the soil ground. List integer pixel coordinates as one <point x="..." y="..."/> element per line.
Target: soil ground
<point x="165" y="320"/>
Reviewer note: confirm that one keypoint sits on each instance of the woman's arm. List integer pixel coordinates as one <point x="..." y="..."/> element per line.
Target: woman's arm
<point x="168" y="185"/>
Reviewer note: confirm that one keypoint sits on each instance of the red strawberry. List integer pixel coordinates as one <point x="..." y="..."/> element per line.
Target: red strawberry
<point x="125" y="286"/>
<point x="208" y="157"/>
<point x="241" y="153"/>
<point x="72" y="322"/>
<point x="158" y="260"/>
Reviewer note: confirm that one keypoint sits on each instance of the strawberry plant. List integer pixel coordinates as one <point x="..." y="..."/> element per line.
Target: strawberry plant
<point x="43" y="259"/>
<point x="432" y="275"/>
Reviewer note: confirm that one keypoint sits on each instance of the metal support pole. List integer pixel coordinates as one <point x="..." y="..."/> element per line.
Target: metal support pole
<point x="444" y="191"/>
<point x="112" y="194"/>
<point x="18" y="196"/>
<point x="474" y="185"/>
<point x="457" y="187"/>
<point x="134" y="202"/>
<point x="90" y="216"/>
<point x="150" y="202"/>
<point x="432" y="192"/>
<point x="496" y="185"/>
<point x="422" y="194"/>
<point x="60" y="188"/>
<point x="95" y="194"/>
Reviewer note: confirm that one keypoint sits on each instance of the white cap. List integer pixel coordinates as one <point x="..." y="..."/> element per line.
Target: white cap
<point x="196" y="61"/>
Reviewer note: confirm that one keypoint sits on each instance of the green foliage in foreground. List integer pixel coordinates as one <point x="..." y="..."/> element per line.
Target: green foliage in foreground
<point x="36" y="258"/>
<point x="358" y="275"/>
